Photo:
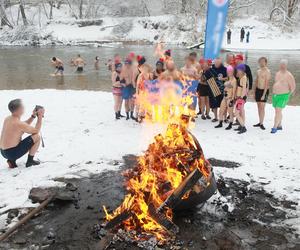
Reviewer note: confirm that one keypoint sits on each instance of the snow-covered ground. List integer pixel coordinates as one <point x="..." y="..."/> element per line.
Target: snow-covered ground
<point x="172" y="29"/>
<point x="79" y="127"/>
<point x="263" y="36"/>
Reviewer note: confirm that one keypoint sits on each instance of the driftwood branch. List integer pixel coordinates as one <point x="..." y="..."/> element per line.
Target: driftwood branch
<point x="25" y="219"/>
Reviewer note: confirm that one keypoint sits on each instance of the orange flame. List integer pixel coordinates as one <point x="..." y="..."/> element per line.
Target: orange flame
<point x="166" y="162"/>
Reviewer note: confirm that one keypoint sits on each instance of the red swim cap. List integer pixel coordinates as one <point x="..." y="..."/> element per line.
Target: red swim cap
<point x="202" y="61"/>
<point x="139" y="57"/>
<point x="239" y="57"/>
<point x="209" y="62"/>
<point x="131" y="55"/>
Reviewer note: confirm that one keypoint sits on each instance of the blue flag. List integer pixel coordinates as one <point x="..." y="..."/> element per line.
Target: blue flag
<point x="215" y="26"/>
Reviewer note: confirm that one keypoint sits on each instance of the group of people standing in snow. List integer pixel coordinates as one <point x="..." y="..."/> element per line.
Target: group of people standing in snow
<point x="223" y="88"/>
<point x="243" y="35"/>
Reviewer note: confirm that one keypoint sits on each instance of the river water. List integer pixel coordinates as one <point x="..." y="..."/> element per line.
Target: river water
<point x="30" y="68"/>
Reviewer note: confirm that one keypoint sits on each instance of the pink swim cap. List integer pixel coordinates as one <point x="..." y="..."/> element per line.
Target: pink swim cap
<point x="230" y="69"/>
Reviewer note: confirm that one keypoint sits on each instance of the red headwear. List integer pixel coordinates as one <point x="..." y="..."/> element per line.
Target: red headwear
<point x="168" y="52"/>
<point x="202" y="61"/>
<point x="139" y="57"/>
<point x="209" y="62"/>
<point x="239" y="57"/>
<point x="131" y="55"/>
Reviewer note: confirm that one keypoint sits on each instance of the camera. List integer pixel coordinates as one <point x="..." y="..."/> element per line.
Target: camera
<point x="37" y="108"/>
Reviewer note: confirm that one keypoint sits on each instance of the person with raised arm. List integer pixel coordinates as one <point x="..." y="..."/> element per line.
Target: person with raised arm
<point x="12" y="145"/>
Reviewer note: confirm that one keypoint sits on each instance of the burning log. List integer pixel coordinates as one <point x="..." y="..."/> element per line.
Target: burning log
<point x="175" y="198"/>
<point x="118" y="219"/>
<point x="163" y="220"/>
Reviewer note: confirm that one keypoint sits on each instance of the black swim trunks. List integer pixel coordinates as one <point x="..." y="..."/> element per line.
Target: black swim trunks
<point x="79" y="69"/>
<point x="215" y="102"/>
<point x="203" y="90"/>
<point x="21" y="149"/>
<point x="259" y="93"/>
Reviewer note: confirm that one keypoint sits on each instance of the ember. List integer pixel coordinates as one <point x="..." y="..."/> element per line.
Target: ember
<point x="172" y="174"/>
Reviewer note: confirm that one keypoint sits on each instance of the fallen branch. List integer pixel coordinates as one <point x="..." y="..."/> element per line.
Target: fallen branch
<point x="26" y="218"/>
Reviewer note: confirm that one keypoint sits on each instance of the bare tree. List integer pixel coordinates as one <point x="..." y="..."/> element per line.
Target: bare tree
<point x="183" y="6"/>
<point x="80" y="7"/>
<point x="283" y="12"/>
<point x="292" y="7"/>
<point x="235" y="5"/>
<point x="22" y="9"/>
<point x="76" y="7"/>
<point x="3" y="16"/>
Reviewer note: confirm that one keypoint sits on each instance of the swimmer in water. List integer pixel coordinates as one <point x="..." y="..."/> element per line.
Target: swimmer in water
<point x="59" y="66"/>
<point x="97" y="63"/>
<point x="79" y="63"/>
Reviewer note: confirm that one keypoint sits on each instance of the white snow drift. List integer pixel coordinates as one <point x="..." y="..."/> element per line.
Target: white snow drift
<point x="79" y="127"/>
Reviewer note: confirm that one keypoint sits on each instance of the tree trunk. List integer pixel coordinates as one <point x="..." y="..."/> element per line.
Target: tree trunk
<point x="23" y="12"/>
<point x="183" y="6"/>
<point x="292" y="4"/>
<point x="51" y="10"/>
<point x="4" y="20"/>
<point x="81" y="9"/>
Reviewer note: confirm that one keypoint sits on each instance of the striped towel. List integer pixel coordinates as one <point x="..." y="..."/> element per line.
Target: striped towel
<point x="214" y="87"/>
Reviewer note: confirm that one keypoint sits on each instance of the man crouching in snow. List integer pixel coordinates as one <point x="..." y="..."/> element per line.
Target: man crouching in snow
<point x="11" y="143"/>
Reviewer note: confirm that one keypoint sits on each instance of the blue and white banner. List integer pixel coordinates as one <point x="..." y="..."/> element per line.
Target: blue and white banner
<point x="215" y="27"/>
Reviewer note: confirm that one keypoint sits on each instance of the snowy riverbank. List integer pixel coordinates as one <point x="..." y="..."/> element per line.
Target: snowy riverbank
<point x="177" y="29"/>
<point x="82" y="137"/>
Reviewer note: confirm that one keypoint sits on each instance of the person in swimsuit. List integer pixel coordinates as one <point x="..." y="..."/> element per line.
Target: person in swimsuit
<point x="261" y="90"/>
<point x="241" y="97"/>
<point x="112" y="62"/>
<point x="228" y="100"/>
<point x="128" y="90"/>
<point x="193" y="57"/>
<point x="117" y="90"/>
<point x="144" y="76"/>
<point x="79" y="63"/>
<point x="59" y="66"/>
<point x="230" y="60"/>
<point x="188" y="69"/>
<point x="283" y="88"/>
<point x="171" y="73"/>
<point x="168" y="56"/>
<point x="199" y="72"/>
<point x="11" y="144"/>
<point x="204" y="91"/>
<point x="97" y="63"/>
<point x="159" y="69"/>
<point x="239" y="59"/>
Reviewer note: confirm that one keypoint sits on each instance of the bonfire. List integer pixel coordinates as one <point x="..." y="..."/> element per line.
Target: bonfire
<point x="171" y="172"/>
